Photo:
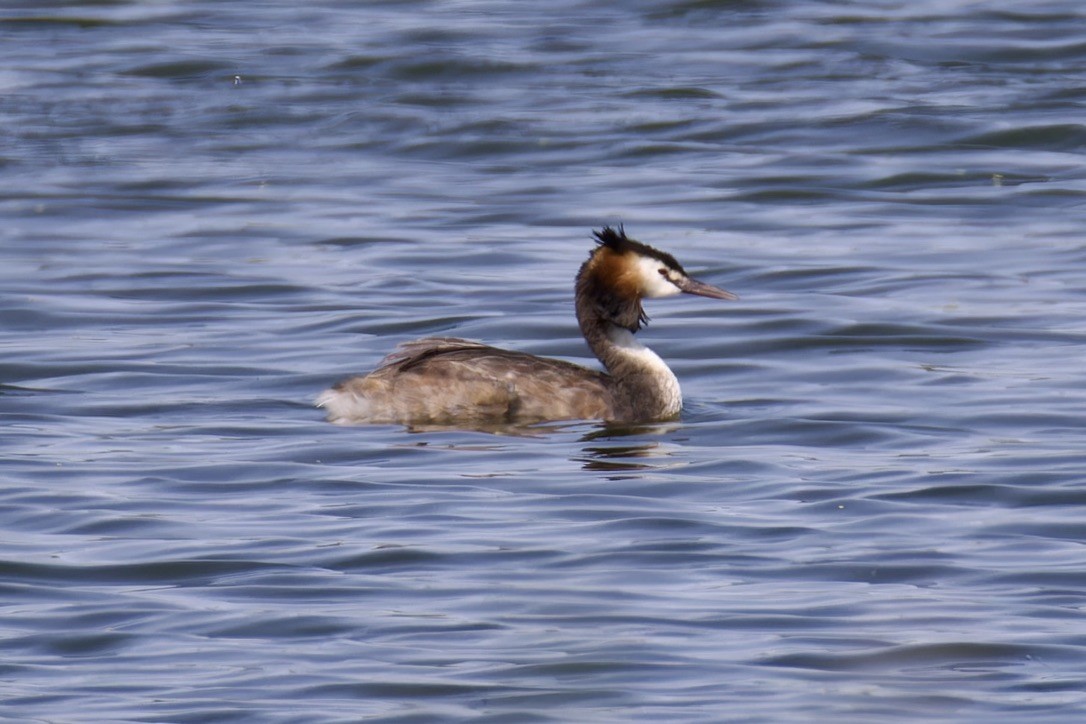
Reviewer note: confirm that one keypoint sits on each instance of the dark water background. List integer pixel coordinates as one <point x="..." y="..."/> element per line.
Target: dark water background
<point x="873" y="510"/>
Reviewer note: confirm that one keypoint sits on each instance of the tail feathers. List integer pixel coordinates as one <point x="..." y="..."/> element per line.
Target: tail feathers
<point x="344" y="405"/>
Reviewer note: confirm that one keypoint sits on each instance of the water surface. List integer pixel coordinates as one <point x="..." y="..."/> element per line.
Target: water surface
<point x="870" y="510"/>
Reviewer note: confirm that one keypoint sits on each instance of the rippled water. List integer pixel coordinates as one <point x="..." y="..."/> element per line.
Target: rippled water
<point x="871" y="510"/>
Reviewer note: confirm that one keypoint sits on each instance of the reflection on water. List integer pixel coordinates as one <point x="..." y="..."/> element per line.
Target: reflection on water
<point x="620" y="458"/>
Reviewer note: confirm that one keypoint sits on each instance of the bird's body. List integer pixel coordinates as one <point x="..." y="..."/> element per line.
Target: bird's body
<point x="449" y="381"/>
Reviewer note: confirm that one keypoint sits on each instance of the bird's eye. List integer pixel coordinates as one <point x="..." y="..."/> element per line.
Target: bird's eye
<point x="663" y="271"/>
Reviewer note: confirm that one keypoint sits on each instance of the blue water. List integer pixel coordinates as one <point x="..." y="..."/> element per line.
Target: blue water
<point x="871" y="509"/>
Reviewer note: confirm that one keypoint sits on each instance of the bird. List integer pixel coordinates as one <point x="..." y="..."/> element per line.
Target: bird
<point x="448" y="381"/>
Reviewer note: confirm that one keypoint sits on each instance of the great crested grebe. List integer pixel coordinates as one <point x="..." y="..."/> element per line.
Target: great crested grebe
<point x="449" y="381"/>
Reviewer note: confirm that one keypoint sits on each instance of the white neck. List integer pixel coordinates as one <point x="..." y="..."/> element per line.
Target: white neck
<point x="632" y="357"/>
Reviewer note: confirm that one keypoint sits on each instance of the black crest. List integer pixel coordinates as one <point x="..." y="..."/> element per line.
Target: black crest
<point x="618" y="242"/>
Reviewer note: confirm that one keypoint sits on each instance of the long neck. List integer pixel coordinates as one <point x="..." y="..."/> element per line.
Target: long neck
<point x="642" y="381"/>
